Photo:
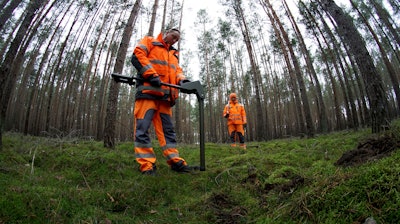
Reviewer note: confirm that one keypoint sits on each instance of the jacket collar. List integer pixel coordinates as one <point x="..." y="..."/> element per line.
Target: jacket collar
<point x="161" y="40"/>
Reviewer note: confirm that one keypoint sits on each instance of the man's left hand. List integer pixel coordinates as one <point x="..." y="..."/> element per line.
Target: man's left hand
<point x="155" y="81"/>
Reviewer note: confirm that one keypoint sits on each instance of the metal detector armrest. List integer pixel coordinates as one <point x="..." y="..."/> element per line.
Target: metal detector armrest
<point x="194" y="87"/>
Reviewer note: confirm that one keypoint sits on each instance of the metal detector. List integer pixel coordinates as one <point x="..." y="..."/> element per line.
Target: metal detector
<point x="194" y="87"/>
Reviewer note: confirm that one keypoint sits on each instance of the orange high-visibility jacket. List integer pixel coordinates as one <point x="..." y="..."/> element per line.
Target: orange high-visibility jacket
<point x="152" y="56"/>
<point x="237" y="113"/>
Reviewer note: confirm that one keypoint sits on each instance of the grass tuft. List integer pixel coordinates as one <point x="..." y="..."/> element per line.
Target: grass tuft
<point x="47" y="180"/>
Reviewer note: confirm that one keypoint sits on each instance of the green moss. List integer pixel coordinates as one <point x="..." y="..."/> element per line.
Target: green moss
<point x="281" y="181"/>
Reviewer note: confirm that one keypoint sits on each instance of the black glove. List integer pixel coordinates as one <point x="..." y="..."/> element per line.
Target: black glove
<point x="244" y="125"/>
<point x="183" y="81"/>
<point x="155" y="81"/>
<point x="226" y="115"/>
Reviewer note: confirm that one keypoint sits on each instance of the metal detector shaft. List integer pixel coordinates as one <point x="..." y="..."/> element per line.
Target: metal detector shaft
<point x="187" y="87"/>
<point x="200" y="99"/>
<point x="129" y="80"/>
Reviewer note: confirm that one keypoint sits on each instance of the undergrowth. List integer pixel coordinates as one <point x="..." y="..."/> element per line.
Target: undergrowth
<point x="281" y="181"/>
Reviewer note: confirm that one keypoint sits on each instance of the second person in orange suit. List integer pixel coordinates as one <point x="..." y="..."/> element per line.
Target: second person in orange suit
<point x="156" y="61"/>
<point x="236" y="115"/>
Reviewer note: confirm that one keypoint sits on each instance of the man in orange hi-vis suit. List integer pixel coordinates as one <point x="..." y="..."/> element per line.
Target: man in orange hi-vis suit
<point x="156" y="61"/>
<point x="236" y="115"/>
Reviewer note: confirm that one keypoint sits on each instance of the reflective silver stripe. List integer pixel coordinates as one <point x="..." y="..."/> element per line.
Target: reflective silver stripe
<point x="156" y="43"/>
<point x="159" y="62"/>
<point x="144" y="48"/>
<point x="236" y="117"/>
<point x="145" y="68"/>
<point x="143" y="145"/>
<point x="173" y="155"/>
<point x="141" y="88"/>
<point x="168" y="146"/>
<point x="148" y="155"/>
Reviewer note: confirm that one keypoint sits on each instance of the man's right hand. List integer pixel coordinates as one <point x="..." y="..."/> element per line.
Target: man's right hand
<point x="226" y="115"/>
<point x="155" y="81"/>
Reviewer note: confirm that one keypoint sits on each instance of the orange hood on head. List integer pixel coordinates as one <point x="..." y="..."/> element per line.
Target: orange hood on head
<point x="232" y="97"/>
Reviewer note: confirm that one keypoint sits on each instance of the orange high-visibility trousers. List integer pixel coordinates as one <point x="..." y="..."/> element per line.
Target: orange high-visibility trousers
<point x="159" y="113"/>
<point x="236" y="129"/>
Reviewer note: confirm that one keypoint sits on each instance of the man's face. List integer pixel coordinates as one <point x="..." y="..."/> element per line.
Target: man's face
<point x="171" y="37"/>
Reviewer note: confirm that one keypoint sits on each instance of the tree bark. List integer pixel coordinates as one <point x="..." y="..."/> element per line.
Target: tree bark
<point x="6" y="12"/>
<point x="294" y="86"/>
<point x="5" y="69"/>
<point x="321" y="109"/>
<point x="153" y="18"/>
<point x="390" y="68"/>
<point x="255" y="72"/>
<point x="109" y="131"/>
<point x="372" y="80"/>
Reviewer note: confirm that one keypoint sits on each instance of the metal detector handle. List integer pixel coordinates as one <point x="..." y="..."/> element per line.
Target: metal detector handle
<point x="130" y="80"/>
<point x="123" y="79"/>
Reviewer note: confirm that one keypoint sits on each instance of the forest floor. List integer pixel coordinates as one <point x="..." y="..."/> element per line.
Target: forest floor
<point x="370" y="149"/>
<point x="339" y="178"/>
<point x="373" y="148"/>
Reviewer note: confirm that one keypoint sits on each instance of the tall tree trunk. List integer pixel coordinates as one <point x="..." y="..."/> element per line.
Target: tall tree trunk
<point x="239" y="13"/>
<point x="96" y="93"/>
<point x="17" y="106"/>
<point x="34" y="102"/>
<point x="390" y="69"/>
<point x="386" y="19"/>
<point x="395" y="5"/>
<point x="294" y="87"/>
<point x="104" y="82"/>
<point x="206" y="41"/>
<point x="347" y="88"/>
<point x="7" y="77"/>
<point x="153" y="18"/>
<point x="310" y="130"/>
<point x="83" y="114"/>
<point x="314" y="26"/>
<point x="42" y="112"/>
<point x="270" y="92"/>
<point x="3" y="3"/>
<point x="6" y="12"/>
<point x="372" y="80"/>
<point x="332" y="54"/>
<point x="177" y="111"/>
<point x="109" y="131"/>
<point x="164" y="15"/>
<point x="58" y="70"/>
<point x="322" y="116"/>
